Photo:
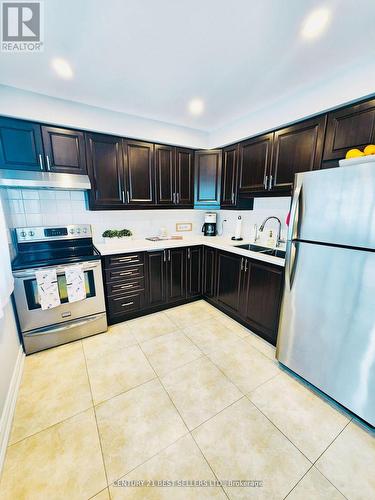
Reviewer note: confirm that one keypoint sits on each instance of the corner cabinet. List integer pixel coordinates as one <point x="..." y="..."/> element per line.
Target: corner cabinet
<point x="207" y="178"/>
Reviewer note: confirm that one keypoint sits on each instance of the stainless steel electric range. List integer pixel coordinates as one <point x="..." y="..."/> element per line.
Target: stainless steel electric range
<point x="57" y="247"/>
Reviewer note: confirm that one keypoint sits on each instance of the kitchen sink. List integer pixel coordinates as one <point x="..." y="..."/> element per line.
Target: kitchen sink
<point x="275" y="252"/>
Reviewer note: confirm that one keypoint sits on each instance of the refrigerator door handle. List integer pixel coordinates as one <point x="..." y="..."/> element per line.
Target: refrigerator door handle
<point x="290" y="262"/>
<point x="295" y="214"/>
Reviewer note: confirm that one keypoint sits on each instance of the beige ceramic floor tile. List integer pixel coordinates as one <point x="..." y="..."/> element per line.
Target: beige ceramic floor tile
<point x="234" y="326"/>
<point x="170" y="351"/>
<point x="314" y="486"/>
<point x="199" y="390"/>
<point x="54" y="387"/>
<point x="189" y="314"/>
<point x="117" y="337"/>
<point x="135" y="426"/>
<point x="103" y="495"/>
<point x="304" y="417"/>
<point x="151" y="326"/>
<point x="349" y="463"/>
<point x="180" y="461"/>
<point x="244" y="366"/>
<point x="64" y="461"/>
<point x="211" y="335"/>
<point x="262" y="345"/>
<point x="241" y="443"/>
<point x="117" y="372"/>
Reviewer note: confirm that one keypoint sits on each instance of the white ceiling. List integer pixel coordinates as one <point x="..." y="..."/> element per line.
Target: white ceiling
<point x="149" y="58"/>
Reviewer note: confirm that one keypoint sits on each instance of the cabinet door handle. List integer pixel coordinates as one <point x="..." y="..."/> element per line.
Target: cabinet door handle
<point x="177" y="198"/>
<point x="125" y="274"/>
<point x="40" y="161"/>
<point x="48" y="163"/>
<point x="128" y="196"/>
<point x="169" y="255"/>
<point x="232" y="198"/>
<point x="270" y="184"/>
<point x="245" y="265"/>
<point x="188" y="253"/>
<point x="123" y="196"/>
<point x="174" y="198"/>
<point x="165" y="258"/>
<point x="127" y="304"/>
<point x="265" y="181"/>
<point x="241" y="263"/>
<point x="126" y="286"/>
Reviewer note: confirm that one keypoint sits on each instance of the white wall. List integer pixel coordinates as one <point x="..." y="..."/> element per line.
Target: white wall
<point x="31" y="106"/>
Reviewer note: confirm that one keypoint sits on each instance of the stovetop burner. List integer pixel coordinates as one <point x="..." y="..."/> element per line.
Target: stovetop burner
<point x="47" y="246"/>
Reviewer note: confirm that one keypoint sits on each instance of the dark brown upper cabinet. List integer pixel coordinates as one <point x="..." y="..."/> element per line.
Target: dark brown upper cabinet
<point x="165" y="167"/>
<point x="255" y="156"/>
<point x="229" y="176"/>
<point x="139" y="172"/>
<point x="297" y="148"/>
<point x="64" y="150"/>
<point x="207" y="178"/>
<point x="184" y="177"/>
<point x="348" y="128"/>
<point x="21" y="146"/>
<point x="174" y="176"/>
<point x="106" y="170"/>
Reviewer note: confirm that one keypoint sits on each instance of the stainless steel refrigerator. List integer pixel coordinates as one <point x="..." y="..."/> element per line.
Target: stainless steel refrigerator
<point x="327" y="324"/>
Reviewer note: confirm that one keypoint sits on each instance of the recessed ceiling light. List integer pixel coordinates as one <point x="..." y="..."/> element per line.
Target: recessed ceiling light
<point x="62" y="68"/>
<point x="315" y="23"/>
<point x="196" y="106"/>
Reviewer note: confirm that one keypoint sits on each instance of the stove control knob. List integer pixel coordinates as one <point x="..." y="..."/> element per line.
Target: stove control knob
<point x="23" y="234"/>
<point x="71" y="231"/>
<point x="31" y="233"/>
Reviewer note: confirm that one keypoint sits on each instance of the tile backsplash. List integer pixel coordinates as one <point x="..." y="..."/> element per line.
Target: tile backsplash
<point x="47" y="207"/>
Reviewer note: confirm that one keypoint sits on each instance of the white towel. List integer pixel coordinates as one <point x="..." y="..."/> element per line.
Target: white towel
<point x="48" y="289"/>
<point x="75" y="283"/>
<point x="6" y="277"/>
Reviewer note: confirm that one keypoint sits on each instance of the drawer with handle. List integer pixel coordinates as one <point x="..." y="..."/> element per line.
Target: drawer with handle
<point x="126" y="303"/>
<point x="123" y="260"/>
<point x="125" y="287"/>
<point x="126" y="273"/>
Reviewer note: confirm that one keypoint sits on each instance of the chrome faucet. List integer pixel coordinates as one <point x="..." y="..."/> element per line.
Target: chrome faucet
<point x="261" y="228"/>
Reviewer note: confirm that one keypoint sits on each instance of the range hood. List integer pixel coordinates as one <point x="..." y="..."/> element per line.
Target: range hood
<point x="43" y="180"/>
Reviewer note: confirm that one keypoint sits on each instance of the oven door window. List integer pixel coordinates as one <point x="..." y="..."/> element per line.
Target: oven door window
<point x="32" y="295"/>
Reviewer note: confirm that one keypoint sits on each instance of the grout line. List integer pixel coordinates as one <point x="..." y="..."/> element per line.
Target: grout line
<point x="274" y="425"/>
<point x="96" y="420"/>
<point x="218" y="413"/>
<point x="299" y="480"/>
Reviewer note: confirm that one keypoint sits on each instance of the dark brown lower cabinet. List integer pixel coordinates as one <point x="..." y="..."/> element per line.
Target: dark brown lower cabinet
<point x="194" y="268"/>
<point x="229" y="280"/>
<point x="248" y="290"/>
<point x="209" y="272"/>
<point x="176" y="274"/>
<point x="262" y="294"/>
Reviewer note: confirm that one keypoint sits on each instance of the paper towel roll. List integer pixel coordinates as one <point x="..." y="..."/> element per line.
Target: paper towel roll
<point x="238" y="231"/>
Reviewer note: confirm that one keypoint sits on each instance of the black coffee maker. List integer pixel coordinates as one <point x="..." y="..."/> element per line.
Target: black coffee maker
<point x="209" y="226"/>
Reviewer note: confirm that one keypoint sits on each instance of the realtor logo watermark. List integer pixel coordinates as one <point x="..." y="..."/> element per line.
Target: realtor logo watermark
<point x="22" y="27"/>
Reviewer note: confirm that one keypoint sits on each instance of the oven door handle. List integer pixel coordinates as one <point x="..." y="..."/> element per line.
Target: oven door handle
<point x="59" y="270"/>
<point x="64" y="326"/>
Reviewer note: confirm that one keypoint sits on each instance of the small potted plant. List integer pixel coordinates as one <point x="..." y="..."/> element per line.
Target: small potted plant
<point x="109" y="235"/>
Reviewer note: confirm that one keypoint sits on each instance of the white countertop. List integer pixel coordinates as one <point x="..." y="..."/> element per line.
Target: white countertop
<point x="126" y="245"/>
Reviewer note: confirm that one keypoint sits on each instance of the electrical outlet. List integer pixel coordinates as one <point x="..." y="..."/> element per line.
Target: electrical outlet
<point x="184" y="226"/>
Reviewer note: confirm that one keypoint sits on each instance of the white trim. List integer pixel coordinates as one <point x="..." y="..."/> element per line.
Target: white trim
<point x="10" y="405"/>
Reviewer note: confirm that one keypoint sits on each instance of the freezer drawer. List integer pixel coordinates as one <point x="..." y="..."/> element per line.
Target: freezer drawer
<point x="336" y="206"/>
<point x="327" y="325"/>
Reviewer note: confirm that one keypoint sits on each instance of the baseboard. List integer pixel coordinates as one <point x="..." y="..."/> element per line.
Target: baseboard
<point x="10" y="405"/>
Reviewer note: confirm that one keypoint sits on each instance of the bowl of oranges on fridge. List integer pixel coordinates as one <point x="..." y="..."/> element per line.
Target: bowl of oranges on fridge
<point x="355" y="156"/>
